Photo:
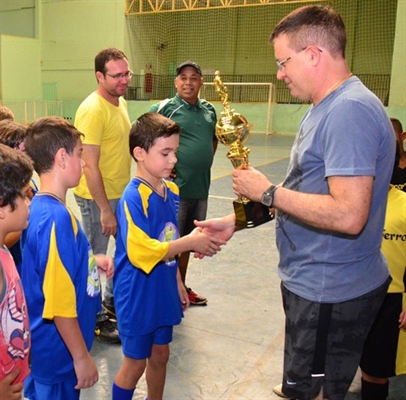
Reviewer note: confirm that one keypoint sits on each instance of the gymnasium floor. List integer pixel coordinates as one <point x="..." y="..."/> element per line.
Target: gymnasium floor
<point x="231" y="349"/>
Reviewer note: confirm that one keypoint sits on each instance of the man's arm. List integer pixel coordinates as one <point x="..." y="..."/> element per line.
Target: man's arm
<point x="344" y="209"/>
<point x="91" y="157"/>
<point x="85" y="368"/>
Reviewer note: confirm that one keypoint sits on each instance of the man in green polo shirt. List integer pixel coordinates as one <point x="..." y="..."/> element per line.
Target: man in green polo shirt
<point x="197" y="119"/>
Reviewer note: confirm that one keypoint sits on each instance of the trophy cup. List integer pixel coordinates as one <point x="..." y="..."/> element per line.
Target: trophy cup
<point x="232" y="129"/>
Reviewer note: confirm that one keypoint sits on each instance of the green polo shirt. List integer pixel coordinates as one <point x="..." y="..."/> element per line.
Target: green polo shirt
<point x="195" y="154"/>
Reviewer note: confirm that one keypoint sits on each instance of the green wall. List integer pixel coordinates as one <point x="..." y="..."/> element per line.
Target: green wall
<point x="54" y="43"/>
<point x="17" y="17"/>
<point x="398" y="82"/>
<point x="72" y="33"/>
<point x="20" y="70"/>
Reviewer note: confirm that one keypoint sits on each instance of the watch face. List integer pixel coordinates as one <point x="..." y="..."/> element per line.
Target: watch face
<point x="266" y="199"/>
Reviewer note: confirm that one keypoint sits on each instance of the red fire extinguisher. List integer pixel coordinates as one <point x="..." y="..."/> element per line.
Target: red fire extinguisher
<point x="148" y="82"/>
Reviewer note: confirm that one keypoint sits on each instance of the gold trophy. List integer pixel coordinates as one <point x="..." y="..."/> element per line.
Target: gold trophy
<point x="232" y="129"/>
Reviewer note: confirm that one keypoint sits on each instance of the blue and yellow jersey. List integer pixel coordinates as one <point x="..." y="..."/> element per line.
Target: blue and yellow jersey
<point x="60" y="278"/>
<point x="145" y="285"/>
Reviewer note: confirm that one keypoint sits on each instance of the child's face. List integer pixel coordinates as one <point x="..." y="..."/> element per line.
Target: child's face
<point x="17" y="219"/>
<point x="75" y="164"/>
<point x="161" y="157"/>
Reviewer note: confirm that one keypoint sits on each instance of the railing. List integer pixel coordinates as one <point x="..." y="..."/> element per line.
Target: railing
<point x="26" y="111"/>
<point x="163" y="87"/>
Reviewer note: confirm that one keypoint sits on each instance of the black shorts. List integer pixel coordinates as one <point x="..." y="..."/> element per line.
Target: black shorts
<point x="380" y="349"/>
<point x="189" y="210"/>
<point x="324" y="342"/>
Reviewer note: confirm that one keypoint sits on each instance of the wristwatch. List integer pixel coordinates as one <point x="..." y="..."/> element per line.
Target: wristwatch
<point x="268" y="196"/>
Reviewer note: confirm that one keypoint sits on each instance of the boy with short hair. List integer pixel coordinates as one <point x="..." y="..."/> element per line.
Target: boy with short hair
<point x="12" y="134"/>
<point x="148" y="291"/>
<point x="15" y="174"/>
<point x="6" y="113"/>
<point x="59" y="269"/>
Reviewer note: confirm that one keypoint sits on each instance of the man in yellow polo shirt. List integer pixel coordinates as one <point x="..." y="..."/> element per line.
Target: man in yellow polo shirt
<point x="103" y="118"/>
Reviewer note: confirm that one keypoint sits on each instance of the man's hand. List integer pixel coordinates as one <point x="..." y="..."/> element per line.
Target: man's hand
<point x="108" y="222"/>
<point x="205" y="243"/>
<point x="250" y="183"/>
<point x="221" y="228"/>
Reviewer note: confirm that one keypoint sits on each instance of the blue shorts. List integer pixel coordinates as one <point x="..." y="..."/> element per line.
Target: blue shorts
<point x="139" y="347"/>
<point x="59" y="391"/>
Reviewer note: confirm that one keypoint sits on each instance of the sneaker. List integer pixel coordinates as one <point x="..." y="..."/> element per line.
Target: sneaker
<point x="278" y="391"/>
<point x="195" y="299"/>
<point x="107" y="332"/>
<point x="111" y="310"/>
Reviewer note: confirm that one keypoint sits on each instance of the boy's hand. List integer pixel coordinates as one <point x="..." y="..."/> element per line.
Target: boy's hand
<point x="221" y="228"/>
<point x="86" y="372"/>
<point x="105" y="264"/>
<point x="402" y="319"/>
<point x="10" y="390"/>
<point x="183" y="295"/>
<point x="205" y="243"/>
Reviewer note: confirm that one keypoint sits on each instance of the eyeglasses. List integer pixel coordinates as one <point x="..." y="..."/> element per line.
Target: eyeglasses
<point x="125" y="75"/>
<point x="281" y="64"/>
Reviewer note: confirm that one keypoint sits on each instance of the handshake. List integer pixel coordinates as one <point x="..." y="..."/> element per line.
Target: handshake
<point x="212" y="234"/>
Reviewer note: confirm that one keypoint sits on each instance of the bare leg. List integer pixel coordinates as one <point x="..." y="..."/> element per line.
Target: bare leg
<point x="320" y="396"/>
<point x="130" y="373"/>
<point x="156" y="371"/>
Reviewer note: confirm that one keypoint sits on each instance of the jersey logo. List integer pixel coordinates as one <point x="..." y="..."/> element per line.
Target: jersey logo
<point x="169" y="233"/>
<point x="93" y="278"/>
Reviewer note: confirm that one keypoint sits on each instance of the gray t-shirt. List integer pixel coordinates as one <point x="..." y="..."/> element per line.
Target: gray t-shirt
<point x="347" y="134"/>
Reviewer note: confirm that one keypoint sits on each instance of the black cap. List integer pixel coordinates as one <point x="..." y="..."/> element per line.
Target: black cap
<point x="188" y="64"/>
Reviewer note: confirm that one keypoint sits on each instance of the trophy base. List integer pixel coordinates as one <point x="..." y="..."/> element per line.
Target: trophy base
<point x="251" y="214"/>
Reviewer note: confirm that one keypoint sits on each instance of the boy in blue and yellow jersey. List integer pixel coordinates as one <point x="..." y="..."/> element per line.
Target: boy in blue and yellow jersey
<point x="148" y="291"/>
<point x="59" y="270"/>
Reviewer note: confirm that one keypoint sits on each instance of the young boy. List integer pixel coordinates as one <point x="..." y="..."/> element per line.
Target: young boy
<point x="383" y="355"/>
<point x="15" y="174"/>
<point x="148" y="291"/>
<point x="6" y="113"/>
<point x="13" y="134"/>
<point x="59" y="269"/>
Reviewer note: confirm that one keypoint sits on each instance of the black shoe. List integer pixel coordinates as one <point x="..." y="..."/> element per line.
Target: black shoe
<point x="107" y="332"/>
<point x="111" y="310"/>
